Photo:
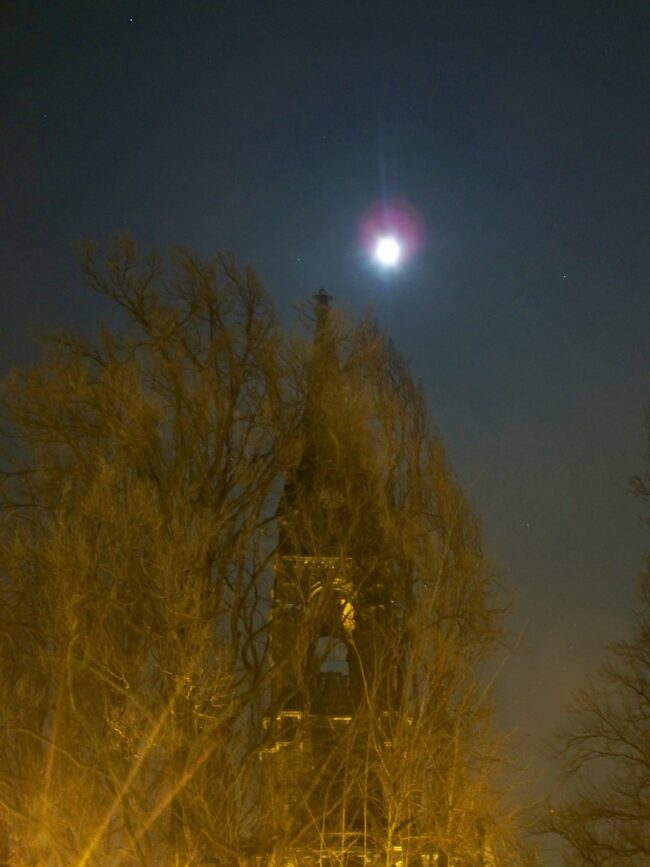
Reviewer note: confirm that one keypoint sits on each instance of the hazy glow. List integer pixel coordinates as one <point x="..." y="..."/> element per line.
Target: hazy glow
<point x="391" y="233"/>
<point x="388" y="251"/>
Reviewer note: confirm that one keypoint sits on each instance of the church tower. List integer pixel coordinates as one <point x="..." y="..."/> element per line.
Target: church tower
<point x="330" y="614"/>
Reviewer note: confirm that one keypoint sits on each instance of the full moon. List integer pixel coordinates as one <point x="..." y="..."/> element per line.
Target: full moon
<point x="388" y="251"/>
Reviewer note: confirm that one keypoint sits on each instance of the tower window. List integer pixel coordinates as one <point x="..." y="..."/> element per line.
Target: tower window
<point x="332" y="655"/>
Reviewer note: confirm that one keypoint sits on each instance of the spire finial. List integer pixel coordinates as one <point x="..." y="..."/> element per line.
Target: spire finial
<point x="321" y="298"/>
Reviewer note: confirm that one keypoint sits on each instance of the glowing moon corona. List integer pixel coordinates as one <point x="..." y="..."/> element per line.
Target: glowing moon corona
<point x="388" y="251"/>
<point x="390" y="234"/>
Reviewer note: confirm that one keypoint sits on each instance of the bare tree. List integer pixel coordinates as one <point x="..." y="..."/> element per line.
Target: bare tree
<point x="133" y="548"/>
<point x="605" y="750"/>
<point x="385" y="607"/>
<point x="198" y="515"/>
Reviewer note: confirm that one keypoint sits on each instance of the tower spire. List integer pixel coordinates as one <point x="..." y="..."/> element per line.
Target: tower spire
<point x="321" y="307"/>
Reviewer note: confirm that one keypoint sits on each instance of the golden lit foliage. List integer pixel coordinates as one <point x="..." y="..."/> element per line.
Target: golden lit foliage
<point x="142" y="485"/>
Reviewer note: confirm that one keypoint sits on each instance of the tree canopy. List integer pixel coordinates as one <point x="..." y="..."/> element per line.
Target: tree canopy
<point x="142" y="477"/>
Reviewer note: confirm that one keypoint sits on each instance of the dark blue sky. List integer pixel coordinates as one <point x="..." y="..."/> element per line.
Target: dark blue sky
<point x="520" y="132"/>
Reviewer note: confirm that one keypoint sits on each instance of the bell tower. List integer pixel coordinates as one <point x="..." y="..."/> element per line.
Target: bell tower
<point x="329" y="610"/>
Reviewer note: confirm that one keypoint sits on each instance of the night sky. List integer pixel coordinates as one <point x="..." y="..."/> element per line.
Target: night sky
<point x="518" y="131"/>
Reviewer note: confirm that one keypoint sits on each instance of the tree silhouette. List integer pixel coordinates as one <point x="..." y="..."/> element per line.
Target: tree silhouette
<point x="605" y="748"/>
<point x="144" y="490"/>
